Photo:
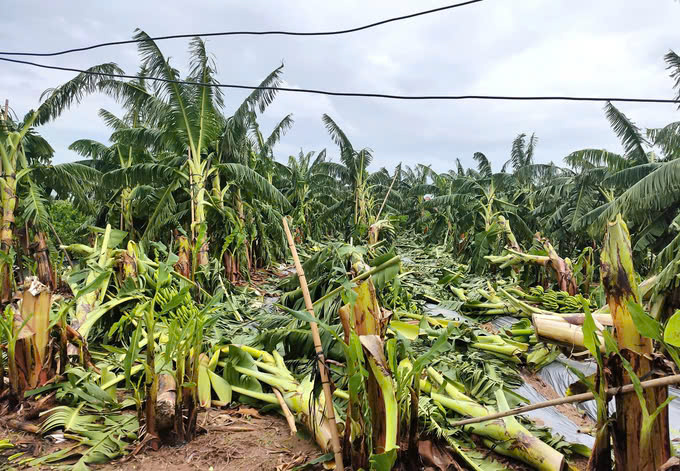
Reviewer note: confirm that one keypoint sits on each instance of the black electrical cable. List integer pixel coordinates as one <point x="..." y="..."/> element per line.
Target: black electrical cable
<point x="351" y="94"/>
<point x="245" y="33"/>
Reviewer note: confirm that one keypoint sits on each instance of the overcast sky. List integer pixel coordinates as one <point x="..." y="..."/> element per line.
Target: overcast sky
<point x="514" y="47"/>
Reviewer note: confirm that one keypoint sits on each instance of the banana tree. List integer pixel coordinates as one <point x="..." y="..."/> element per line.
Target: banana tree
<point x="188" y="119"/>
<point x="415" y="184"/>
<point x="196" y="149"/>
<point x="17" y="143"/>
<point x="10" y="151"/>
<point x="122" y="187"/>
<point x="310" y="189"/>
<point x="352" y="172"/>
<point x="242" y="175"/>
<point x="372" y="401"/>
<point x="641" y="430"/>
<point x="476" y="200"/>
<point x="27" y="178"/>
<point x="641" y="184"/>
<point x="31" y="361"/>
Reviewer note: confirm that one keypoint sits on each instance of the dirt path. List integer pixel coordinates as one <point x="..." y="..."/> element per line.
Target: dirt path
<point x="235" y="439"/>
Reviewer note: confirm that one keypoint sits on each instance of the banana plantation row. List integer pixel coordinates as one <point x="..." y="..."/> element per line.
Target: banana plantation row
<point x="148" y="282"/>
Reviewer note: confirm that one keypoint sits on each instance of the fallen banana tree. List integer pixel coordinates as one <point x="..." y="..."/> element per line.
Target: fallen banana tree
<point x="511" y="300"/>
<point x="172" y="368"/>
<point x="515" y="440"/>
<point x="562" y="268"/>
<point x="561" y="331"/>
<point x="246" y="369"/>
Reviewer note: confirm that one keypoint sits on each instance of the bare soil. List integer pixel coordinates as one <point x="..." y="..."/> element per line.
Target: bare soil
<point x="232" y="439"/>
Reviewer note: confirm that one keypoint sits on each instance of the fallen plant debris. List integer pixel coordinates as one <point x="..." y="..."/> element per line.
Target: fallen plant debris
<point x="173" y="326"/>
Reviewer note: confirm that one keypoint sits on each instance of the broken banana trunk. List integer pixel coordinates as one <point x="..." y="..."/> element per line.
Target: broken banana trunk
<point x="560" y="331"/>
<point x="165" y="403"/>
<point x="183" y="265"/>
<point x="364" y="321"/>
<point x="41" y="255"/>
<point x="513" y="439"/>
<point x="562" y="268"/>
<point x="640" y="442"/>
<point x="33" y="360"/>
<point x="128" y="262"/>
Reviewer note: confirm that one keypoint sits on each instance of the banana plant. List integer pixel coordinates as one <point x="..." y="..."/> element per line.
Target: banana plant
<point x="641" y="441"/>
<point x="32" y="361"/>
<point x="90" y="281"/>
<point x="372" y="400"/>
<point x="97" y="441"/>
<point x="515" y="440"/>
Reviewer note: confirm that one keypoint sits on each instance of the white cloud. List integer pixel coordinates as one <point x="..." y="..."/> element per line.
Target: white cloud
<point x="578" y="47"/>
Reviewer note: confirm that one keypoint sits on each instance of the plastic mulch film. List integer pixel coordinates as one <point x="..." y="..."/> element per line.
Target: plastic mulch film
<point x="559" y="377"/>
<point x="503" y="322"/>
<point x="551" y="417"/>
<point x="435" y="310"/>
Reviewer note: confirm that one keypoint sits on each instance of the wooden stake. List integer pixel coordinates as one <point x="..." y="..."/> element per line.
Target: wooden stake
<point x="628" y="388"/>
<point x="5" y="114"/>
<point x="286" y="412"/>
<point x="325" y="380"/>
<point x="388" y="192"/>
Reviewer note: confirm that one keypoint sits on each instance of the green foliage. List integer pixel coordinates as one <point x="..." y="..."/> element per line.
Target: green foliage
<point x="68" y="221"/>
<point x="178" y="161"/>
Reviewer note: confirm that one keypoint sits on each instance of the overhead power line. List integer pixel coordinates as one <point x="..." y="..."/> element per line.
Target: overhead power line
<point x="351" y="94"/>
<point x="247" y="33"/>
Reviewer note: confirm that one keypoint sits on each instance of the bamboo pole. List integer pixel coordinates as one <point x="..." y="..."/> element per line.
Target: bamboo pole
<point x="628" y="388"/>
<point x="396" y="173"/>
<point x="325" y="380"/>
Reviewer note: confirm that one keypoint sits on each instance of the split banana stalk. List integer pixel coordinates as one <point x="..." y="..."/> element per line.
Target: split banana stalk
<point x="365" y="325"/>
<point x="515" y="440"/>
<point x="641" y="440"/>
<point x="30" y="362"/>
